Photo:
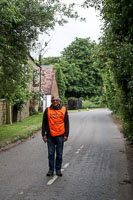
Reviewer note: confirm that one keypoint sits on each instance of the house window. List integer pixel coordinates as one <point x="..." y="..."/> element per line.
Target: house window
<point x="36" y="78"/>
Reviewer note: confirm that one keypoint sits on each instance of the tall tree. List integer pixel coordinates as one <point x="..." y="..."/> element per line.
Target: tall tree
<point x="14" y="76"/>
<point x="82" y="76"/>
<point x="20" y="23"/>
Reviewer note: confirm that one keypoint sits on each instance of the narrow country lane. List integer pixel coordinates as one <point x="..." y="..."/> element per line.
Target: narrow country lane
<point x="94" y="167"/>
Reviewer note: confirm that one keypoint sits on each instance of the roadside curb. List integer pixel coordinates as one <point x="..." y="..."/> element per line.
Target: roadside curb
<point x="10" y="145"/>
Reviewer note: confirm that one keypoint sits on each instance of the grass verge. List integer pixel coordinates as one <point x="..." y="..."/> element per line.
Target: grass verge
<point x="20" y="130"/>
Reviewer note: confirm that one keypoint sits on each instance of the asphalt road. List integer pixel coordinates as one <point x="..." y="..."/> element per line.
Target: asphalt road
<point x="94" y="166"/>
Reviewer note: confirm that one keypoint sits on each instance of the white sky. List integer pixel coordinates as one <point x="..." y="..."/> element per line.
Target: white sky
<point x="63" y="36"/>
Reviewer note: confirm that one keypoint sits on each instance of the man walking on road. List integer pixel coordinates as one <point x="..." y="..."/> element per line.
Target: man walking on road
<point x="55" y="131"/>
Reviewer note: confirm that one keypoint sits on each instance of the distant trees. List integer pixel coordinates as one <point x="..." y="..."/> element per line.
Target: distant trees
<point x="50" y="60"/>
<point x="81" y="74"/>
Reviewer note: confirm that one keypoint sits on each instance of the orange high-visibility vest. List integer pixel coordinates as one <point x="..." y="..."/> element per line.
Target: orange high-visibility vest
<point x="56" y="121"/>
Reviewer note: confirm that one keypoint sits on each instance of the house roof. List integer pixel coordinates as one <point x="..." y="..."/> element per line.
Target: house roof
<point x="47" y="78"/>
<point x="47" y="66"/>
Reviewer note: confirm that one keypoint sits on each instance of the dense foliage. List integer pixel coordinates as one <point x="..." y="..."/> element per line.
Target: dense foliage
<point x="116" y="58"/>
<point x="12" y="79"/>
<point x="20" y="23"/>
<point x="82" y="76"/>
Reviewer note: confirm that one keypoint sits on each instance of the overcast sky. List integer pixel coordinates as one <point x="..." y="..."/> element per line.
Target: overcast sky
<point x="63" y="36"/>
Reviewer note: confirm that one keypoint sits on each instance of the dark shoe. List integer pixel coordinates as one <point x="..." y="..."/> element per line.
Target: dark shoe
<point x="58" y="173"/>
<point x="50" y="173"/>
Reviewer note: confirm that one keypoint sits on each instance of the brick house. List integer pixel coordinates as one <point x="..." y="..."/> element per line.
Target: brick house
<point x="10" y="114"/>
<point x="48" y="84"/>
<point x="34" y="87"/>
<point x="44" y="84"/>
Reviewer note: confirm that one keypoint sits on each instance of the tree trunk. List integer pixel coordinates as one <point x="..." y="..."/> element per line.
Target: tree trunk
<point x="8" y="114"/>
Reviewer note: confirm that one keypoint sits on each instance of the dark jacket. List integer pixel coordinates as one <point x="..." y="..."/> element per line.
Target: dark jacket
<point x="45" y="124"/>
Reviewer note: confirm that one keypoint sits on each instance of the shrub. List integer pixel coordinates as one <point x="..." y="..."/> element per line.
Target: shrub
<point x="74" y="104"/>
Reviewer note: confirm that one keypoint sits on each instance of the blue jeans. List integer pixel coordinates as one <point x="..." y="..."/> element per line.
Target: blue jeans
<point x="55" y="144"/>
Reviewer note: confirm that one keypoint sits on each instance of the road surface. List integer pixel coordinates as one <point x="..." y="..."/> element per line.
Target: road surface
<point x="94" y="166"/>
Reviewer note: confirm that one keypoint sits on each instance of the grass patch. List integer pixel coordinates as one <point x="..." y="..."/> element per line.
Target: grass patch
<point x="20" y="130"/>
<point x="88" y="104"/>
